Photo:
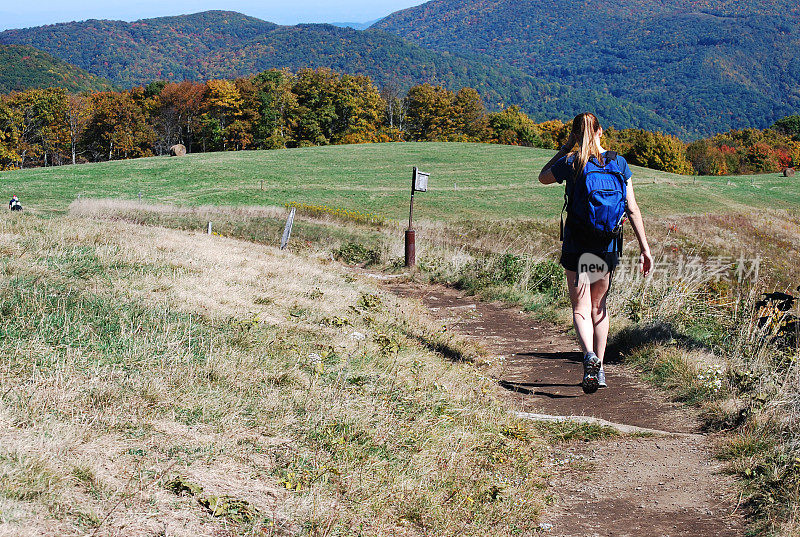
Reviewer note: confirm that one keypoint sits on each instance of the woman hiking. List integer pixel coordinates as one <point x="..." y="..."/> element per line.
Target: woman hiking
<point x="599" y="195"/>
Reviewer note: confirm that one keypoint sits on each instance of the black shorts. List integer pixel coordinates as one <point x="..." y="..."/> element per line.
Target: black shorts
<point x="569" y="260"/>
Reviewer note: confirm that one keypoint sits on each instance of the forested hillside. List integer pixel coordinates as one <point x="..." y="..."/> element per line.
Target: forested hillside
<point x="221" y="44"/>
<point x="708" y="65"/>
<point x="23" y="67"/>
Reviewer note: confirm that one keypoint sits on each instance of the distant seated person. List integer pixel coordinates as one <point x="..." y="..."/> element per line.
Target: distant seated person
<point x="14" y="204"/>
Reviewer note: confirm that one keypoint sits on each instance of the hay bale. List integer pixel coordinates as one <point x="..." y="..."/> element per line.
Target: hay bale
<point x="177" y="150"/>
<point x="788" y="172"/>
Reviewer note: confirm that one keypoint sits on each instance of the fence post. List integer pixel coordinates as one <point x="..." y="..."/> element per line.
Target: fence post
<point x="287" y="231"/>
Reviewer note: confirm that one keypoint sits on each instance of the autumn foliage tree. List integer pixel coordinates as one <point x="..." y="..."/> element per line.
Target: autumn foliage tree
<point x="512" y="126"/>
<point x="429" y="113"/>
<point x="221" y="124"/>
<point x="469" y="116"/>
<point x="79" y="112"/>
<point x="330" y="108"/>
<point x="37" y="125"/>
<point x="177" y="113"/>
<point x="658" y="151"/>
<point x="8" y="138"/>
<point x="118" y="127"/>
<point x="359" y="110"/>
<point x="746" y="151"/>
<point x="554" y="132"/>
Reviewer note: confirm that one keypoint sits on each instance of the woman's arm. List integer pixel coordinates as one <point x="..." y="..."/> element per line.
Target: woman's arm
<point x="546" y="176"/>
<point x="645" y="259"/>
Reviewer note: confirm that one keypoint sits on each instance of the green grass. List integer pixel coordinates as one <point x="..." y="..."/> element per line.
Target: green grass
<point x="468" y="181"/>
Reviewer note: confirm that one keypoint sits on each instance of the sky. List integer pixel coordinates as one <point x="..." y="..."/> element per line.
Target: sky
<point x="16" y="14"/>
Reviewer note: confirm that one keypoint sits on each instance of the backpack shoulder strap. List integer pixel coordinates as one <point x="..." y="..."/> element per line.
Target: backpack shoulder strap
<point x="611" y="156"/>
<point x="566" y="204"/>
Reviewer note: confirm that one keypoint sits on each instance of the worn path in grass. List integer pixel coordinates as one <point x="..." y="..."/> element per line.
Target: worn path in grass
<point x="664" y="485"/>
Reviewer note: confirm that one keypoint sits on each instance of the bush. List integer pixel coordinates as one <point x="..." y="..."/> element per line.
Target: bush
<point x="509" y="270"/>
<point x="659" y="152"/>
<point x="353" y="253"/>
<point x="547" y="277"/>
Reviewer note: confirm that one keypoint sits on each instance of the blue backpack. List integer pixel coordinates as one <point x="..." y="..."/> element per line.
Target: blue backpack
<point x="596" y="205"/>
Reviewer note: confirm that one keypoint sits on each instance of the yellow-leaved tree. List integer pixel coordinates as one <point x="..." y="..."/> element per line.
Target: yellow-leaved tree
<point x="221" y="124"/>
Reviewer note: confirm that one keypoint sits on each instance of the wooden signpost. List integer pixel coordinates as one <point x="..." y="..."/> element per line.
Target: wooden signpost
<point x="419" y="183"/>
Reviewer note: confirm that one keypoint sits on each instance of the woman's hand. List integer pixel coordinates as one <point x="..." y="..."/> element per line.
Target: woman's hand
<point x="645" y="262"/>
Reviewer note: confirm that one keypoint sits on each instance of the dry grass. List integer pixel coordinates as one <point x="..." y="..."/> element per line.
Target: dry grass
<point x="772" y="235"/>
<point x="132" y="355"/>
<point x="693" y="335"/>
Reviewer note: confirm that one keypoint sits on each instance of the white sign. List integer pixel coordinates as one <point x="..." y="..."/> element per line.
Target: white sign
<point x="421" y="182"/>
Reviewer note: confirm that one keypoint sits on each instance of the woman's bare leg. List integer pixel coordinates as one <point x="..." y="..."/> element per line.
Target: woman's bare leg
<point x="600" y="318"/>
<point x="581" y="298"/>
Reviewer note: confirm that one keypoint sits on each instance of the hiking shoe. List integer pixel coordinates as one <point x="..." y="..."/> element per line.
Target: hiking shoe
<point x="591" y="368"/>
<point x="601" y="379"/>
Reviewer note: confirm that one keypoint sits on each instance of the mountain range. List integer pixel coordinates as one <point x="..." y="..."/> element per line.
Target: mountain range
<point x="220" y="44"/>
<point x="686" y="67"/>
<point x="355" y="25"/>
<point x="710" y="65"/>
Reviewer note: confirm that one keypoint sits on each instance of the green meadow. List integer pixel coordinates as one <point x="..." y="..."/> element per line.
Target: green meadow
<point x="468" y="181"/>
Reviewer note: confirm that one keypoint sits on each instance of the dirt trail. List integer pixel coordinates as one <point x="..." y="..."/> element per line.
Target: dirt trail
<point x="642" y="486"/>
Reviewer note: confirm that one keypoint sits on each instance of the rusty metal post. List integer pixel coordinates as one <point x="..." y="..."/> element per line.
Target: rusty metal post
<point x="411" y="236"/>
<point x="411" y="248"/>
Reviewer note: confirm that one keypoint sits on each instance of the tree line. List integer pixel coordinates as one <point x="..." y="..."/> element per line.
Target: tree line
<point x="279" y="109"/>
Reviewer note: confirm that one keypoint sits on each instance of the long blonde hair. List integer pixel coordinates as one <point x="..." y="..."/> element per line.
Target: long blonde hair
<point x="584" y="131"/>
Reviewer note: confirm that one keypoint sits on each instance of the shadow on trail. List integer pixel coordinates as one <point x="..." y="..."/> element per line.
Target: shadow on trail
<point x="540" y="388"/>
<point x="530" y="389"/>
<point x="542" y="369"/>
<point x="573" y="357"/>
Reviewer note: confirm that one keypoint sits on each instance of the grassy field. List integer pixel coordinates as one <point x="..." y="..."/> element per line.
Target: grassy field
<point x="468" y="181"/>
